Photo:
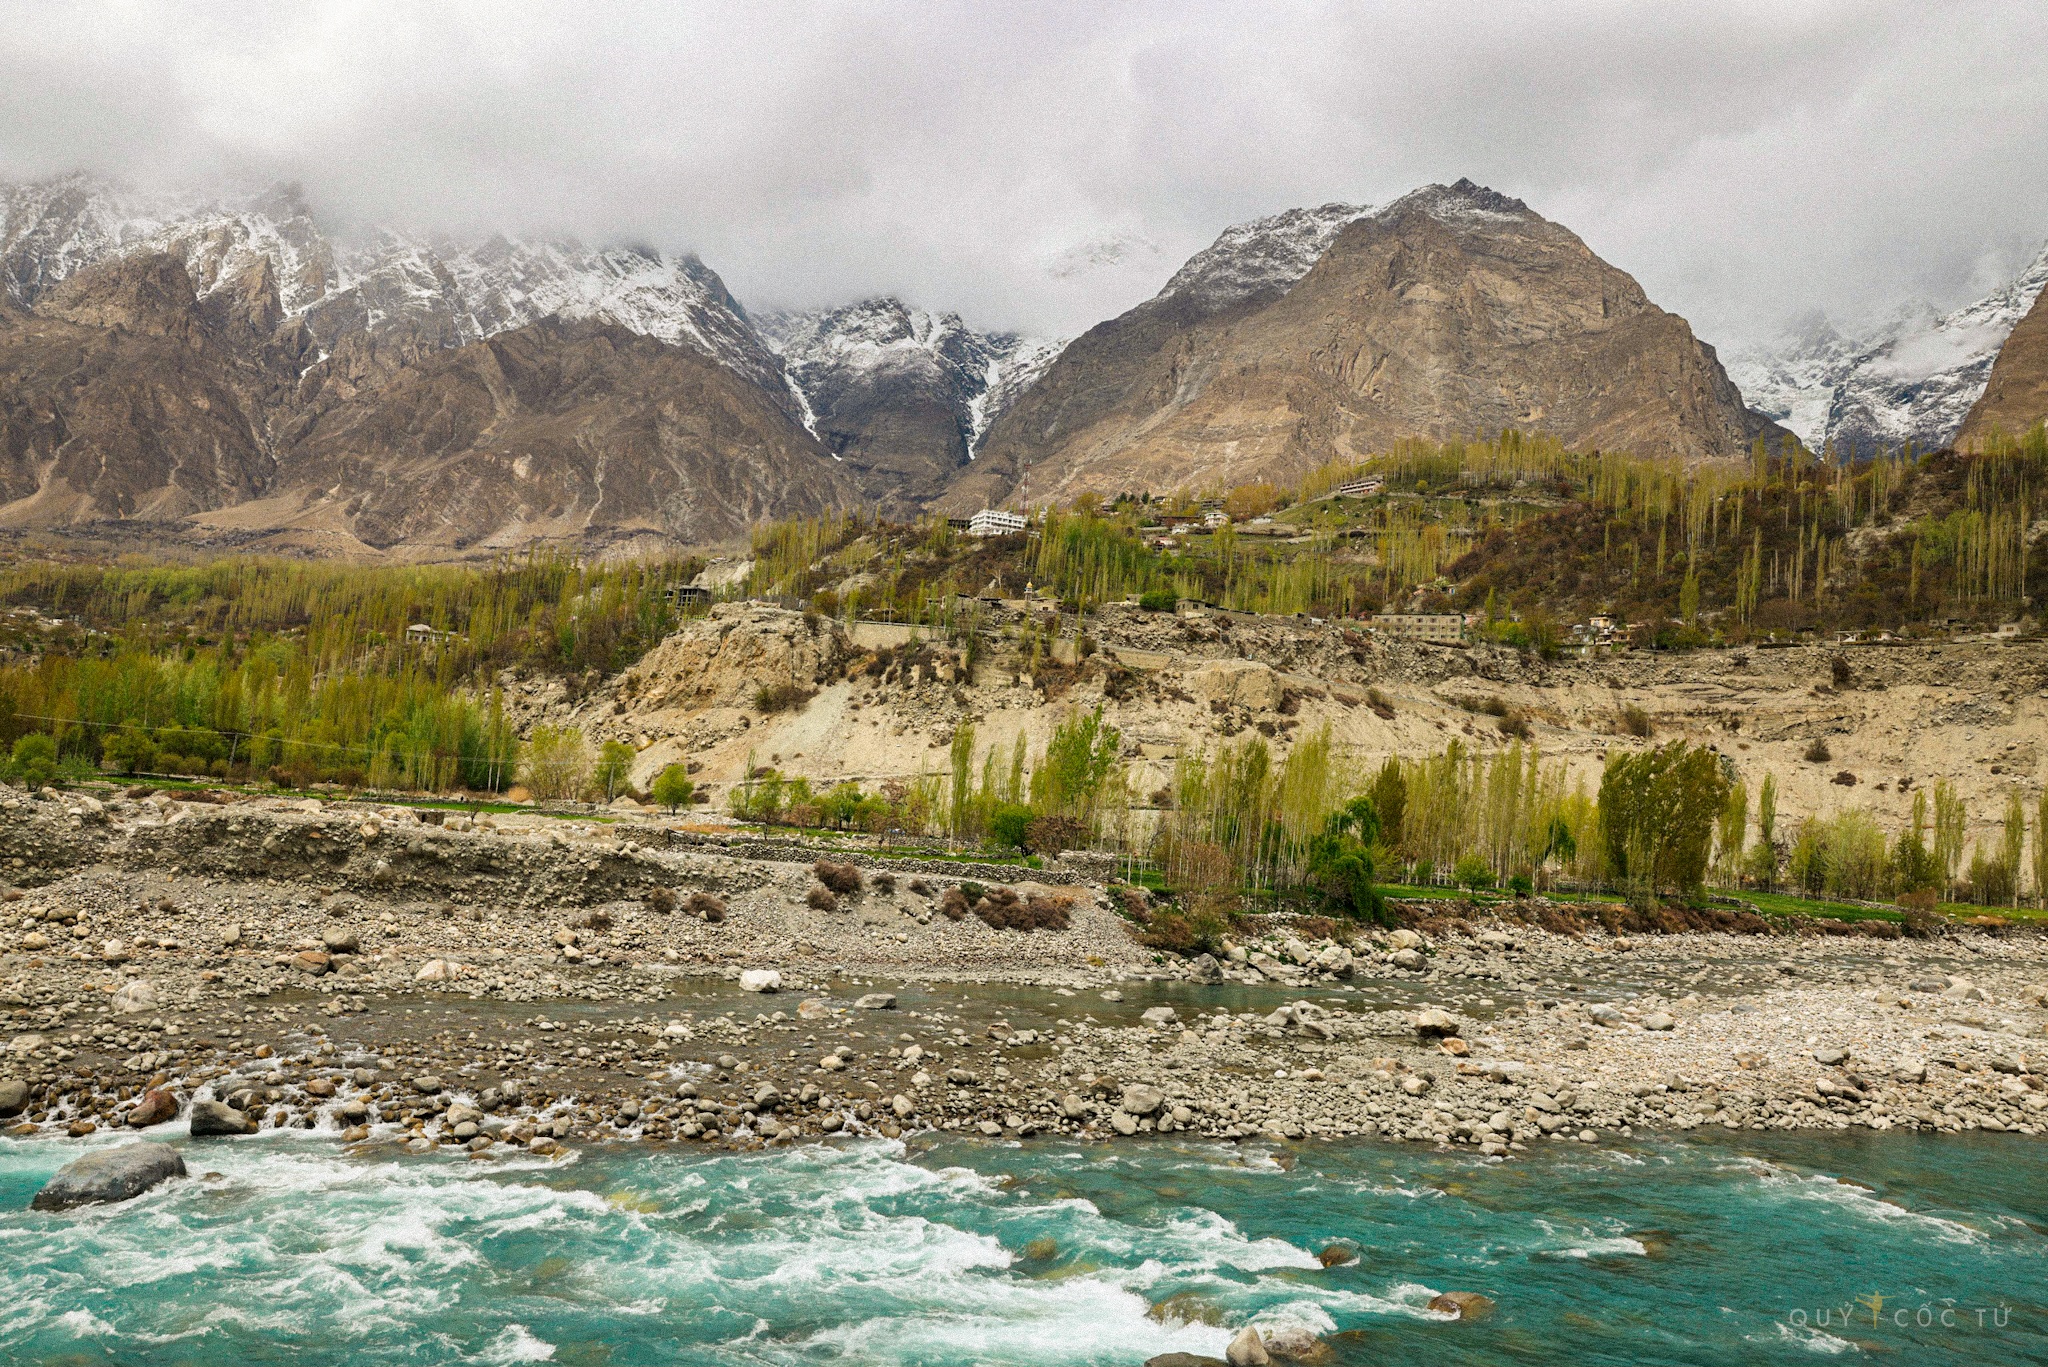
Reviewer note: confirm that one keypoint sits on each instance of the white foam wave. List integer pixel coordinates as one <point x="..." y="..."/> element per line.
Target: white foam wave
<point x="85" y="1324"/>
<point x="1830" y="1191"/>
<point x="1021" y="1322"/>
<point x="1805" y="1336"/>
<point x="1585" y="1244"/>
<point x="515" y="1343"/>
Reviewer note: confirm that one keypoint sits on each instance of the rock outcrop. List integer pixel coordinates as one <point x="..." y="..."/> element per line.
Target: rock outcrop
<point x="110" y="1175"/>
<point x="724" y="658"/>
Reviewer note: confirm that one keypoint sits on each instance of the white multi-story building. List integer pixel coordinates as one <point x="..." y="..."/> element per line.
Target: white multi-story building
<point x="995" y="522"/>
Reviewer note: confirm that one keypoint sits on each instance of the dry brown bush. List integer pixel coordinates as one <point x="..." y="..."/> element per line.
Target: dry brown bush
<point x="841" y="878"/>
<point x="1002" y="909"/>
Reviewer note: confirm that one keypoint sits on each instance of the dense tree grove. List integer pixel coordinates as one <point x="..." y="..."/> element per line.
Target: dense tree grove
<point x="309" y="672"/>
<point x="1517" y="526"/>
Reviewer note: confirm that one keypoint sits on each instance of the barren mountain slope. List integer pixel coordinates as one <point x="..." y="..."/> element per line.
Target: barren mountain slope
<point x="1451" y="311"/>
<point x="579" y="431"/>
<point x="2016" y="396"/>
<point x="121" y="400"/>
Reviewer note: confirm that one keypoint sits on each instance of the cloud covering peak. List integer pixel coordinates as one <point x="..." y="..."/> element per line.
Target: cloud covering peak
<point x="1041" y="167"/>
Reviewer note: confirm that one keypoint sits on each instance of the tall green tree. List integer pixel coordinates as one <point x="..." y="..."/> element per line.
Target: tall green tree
<point x="2041" y="850"/>
<point x="673" y="787"/>
<point x="557" y="763"/>
<point x="1389" y="794"/>
<point x="1079" y="759"/>
<point x="1951" y="823"/>
<point x="1343" y="861"/>
<point x="962" y="760"/>
<point x="614" y="768"/>
<point x="1657" y="813"/>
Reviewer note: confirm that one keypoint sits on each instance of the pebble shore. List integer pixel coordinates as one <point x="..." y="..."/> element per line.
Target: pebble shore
<point x="243" y="967"/>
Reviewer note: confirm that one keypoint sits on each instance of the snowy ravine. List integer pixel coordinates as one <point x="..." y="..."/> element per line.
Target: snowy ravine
<point x="452" y="291"/>
<point x="881" y="345"/>
<point x="1911" y="378"/>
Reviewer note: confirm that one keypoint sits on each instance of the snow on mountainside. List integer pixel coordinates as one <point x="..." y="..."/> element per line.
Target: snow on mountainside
<point x="1794" y="381"/>
<point x="1911" y="378"/>
<point x="1263" y="255"/>
<point x="1266" y="256"/>
<point x="452" y="291"/>
<point x="834" y="355"/>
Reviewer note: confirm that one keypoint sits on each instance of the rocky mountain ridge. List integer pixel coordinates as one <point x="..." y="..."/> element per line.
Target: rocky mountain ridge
<point x="1453" y="310"/>
<point x="449" y="291"/>
<point x="1301" y="337"/>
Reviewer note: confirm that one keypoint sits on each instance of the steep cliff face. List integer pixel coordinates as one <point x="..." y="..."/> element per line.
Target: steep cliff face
<point x="2016" y="395"/>
<point x="581" y="432"/>
<point x="1453" y="310"/>
<point x="120" y="401"/>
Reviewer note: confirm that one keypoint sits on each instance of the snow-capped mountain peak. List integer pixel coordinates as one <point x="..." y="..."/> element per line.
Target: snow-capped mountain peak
<point x="455" y="291"/>
<point x="1910" y="377"/>
<point x="836" y="354"/>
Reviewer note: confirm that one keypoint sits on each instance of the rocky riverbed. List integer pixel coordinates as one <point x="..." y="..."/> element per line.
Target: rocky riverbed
<point x="531" y="983"/>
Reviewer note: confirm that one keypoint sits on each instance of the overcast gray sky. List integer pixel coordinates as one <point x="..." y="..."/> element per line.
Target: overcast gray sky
<point x="1045" y="166"/>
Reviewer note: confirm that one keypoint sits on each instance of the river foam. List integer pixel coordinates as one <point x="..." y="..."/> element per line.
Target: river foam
<point x="1050" y="1253"/>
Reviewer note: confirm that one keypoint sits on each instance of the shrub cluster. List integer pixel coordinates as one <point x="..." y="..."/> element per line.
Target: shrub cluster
<point x="1002" y="909"/>
<point x="840" y="878"/>
<point x="781" y="697"/>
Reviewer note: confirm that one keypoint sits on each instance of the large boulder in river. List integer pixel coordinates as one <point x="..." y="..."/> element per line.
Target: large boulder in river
<point x="1466" y="1305"/>
<point x="760" y="980"/>
<point x="155" y="1107"/>
<point x="217" y="1117"/>
<point x="1248" y="1349"/>
<point x="110" y="1175"/>
<point x="13" y="1096"/>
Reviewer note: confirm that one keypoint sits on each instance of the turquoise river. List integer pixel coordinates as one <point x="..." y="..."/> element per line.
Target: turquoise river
<point x="1738" y="1249"/>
